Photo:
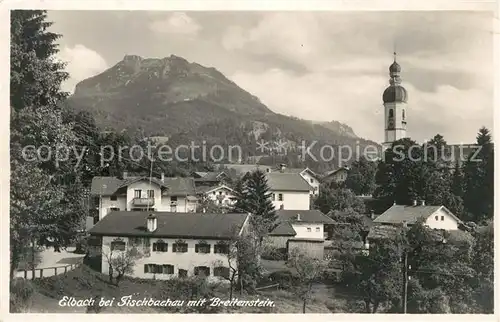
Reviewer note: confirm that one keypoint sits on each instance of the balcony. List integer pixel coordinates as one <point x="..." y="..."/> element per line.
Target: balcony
<point x="143" y="202"/>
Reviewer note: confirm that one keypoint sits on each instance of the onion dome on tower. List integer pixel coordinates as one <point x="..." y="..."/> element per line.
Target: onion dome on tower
<point x="395" y="93"/>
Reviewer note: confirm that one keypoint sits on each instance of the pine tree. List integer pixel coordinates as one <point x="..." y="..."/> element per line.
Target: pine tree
<point x="253" y="196"/>
<point x="479" y="179"/>
<point x="46" y="194"/>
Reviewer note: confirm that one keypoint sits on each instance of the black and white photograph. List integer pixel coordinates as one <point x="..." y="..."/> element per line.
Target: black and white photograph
<point x="250" y="161"/>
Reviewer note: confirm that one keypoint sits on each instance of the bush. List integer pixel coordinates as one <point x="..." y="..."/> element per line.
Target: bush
<point x="275" y="254"/>
<point x="21" y="293"/>
<point x="286" y="279"/>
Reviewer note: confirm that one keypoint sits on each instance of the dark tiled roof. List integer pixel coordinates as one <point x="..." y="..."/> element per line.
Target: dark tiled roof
<point x="307" y="216"/>
<point x="105" y="185"/>
<point x="329" y="173"/>
<point x="179" y="186"/>
<point x="283" y="229"/>
<point x="398" y="214"/>
<point x="287" y="182"/>
<point x="295" y="170"/>
<point x="170" y="224"/>
<point x="199" y="174"/>
<point x="242" y="169"/>
<point x="109" y="185"/>
<point x="205" y="189"/>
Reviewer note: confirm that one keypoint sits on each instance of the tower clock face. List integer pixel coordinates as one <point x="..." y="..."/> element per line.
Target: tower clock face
<point x="390" y="124"/>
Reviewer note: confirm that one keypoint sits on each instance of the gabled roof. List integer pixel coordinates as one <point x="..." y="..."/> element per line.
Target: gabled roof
<point x="242" y="169"/>
<point x="198" y="174"/>
<point x="283" y="229"/>
<point x="109" y="185"/>
<point x="296" y="170"/>
<point x="287" y="182"/>
<point x="306" y="216"/>
<point x="399" y="214"/>
<point x="209" y="189"/>
<point x="332" y="172"/>
<point x="210" y="176"/>
<point x="171" y="225"/>
<point x="180" y="186"/>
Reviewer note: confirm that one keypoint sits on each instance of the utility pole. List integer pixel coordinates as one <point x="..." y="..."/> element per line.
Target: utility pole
<point x="405" y="281"/>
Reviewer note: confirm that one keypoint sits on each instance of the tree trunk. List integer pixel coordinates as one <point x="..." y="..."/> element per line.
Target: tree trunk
<point x="375" y="307"/>
<point x="110" y="269"/>
<point x="367" y="306"/>
<point x="304" y="306"/>
<point x="231" y="289"/>
<point x="14" y="260"/>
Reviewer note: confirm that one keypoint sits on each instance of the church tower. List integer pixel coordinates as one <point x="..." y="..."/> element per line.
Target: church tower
<point x="395" y="98"/>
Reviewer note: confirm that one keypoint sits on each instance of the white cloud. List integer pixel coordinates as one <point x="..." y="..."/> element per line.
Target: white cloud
<point x="82" y="63"/>
<point x="346" y="57"/>
<point x="176" y="23"/>
<point x="357" y="101"/>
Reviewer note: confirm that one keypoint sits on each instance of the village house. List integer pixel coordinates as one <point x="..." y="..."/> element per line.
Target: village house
<point x="337" y="176"/>
<point x="221" y="195"/>
<point x="309" y="176"/>
<point x="389" y="223"/>
<point x="172" y="244"/>
<point x="141" y="193"/>
<point x="304" y="229"/>
<point x="289" y="191"/>
<point x="210" y="179"/>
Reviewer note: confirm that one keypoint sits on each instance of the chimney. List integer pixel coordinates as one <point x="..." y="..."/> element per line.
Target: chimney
<point x="125" y="174"/>
<point x="162" y="177"/>
<point x="152" y="223"/>
<point x="415" y="202"/>
<point x="298" y="217"/>
<point x="422" y="202"/>
<point x="372" y="215"/>
<point x="268" y="170"/>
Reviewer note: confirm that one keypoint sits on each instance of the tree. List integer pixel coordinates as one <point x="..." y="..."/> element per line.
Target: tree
<point x="483" y="264"/>
<point x="240" y="261"/>
<point x="308" y="270"/>
<point x="361" y="177"/>
<point x="479" y="179"/>
<point x="350" y="228"/>
<point x="376" y="277"/>
<point x="208" y="205"/>
<point x="121" y="262"/>
<point x="338" y="199"/>
<point x="253" y="196"/>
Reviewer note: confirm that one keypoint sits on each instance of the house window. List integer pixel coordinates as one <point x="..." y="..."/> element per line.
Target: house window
<point x="273" y="196"/>
<point x="221" y="272"/>
<point x="442" y="218"/>
<point x="173" y="199"/>
<point x="308" y="229"/>
<point x="180" y="247"/>
<point x="137" y="193"/>
<point x="150" y="268"/>
<point x="113" y="198"/>
<point x="220" y="193"/>
<point x="391" y="113"/>
<point x="165" y="269"/>
<point x="221" y="249"/>
<point x="118" y="245"/>
<point x="114" y="209"/>
<point x="160" y="246"/>
<point x="403" y="114"/>
<point x="202" y="270"/>
<point x="183" y="273"/>
<point x="151" y="193"/>
<point x="437" y="217"/>
<point x="318" y="229"/>
<point x="280" y="197"/>
<point x="173" y="208"/>
<point x="214" y="193"/>
<point x="311" y="180"/>
<point x="202" y="247"/>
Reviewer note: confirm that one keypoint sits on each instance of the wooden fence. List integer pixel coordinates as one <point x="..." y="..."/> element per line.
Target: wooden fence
<point x="47" y="271"/>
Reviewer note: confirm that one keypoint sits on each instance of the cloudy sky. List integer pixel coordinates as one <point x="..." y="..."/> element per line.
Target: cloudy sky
<point x="313" y="65"/>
